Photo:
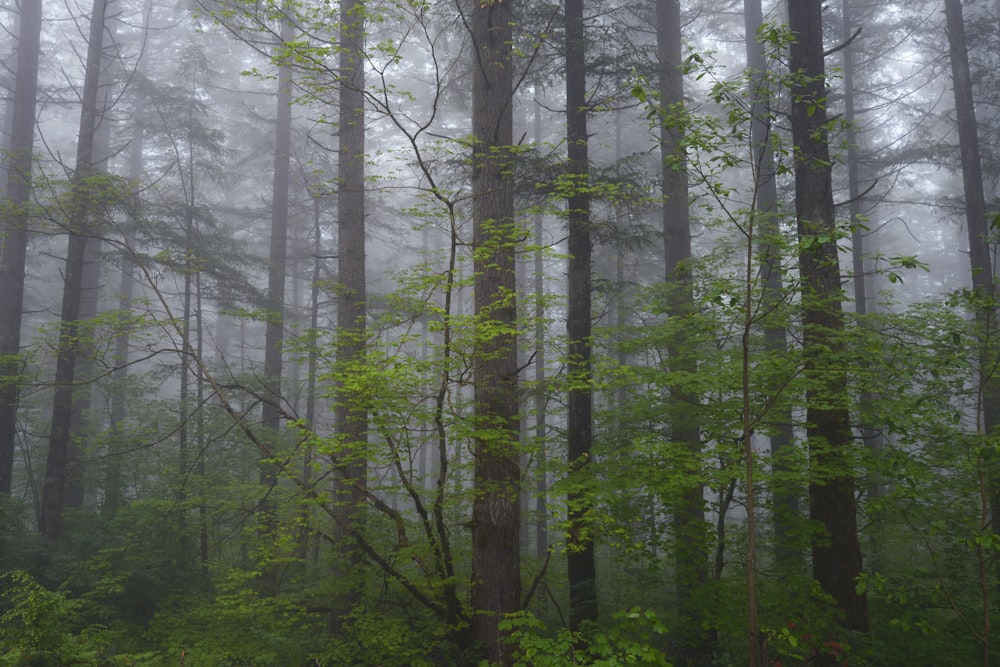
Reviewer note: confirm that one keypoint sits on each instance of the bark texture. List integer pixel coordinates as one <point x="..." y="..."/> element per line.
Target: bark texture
<point x="15" y="229"/>
<point x="496" y="576"/>
<point x="81" y="217"/>
<point x="694" y="643"/>
<point x="836" y="553"/>
<point x="580" y="543"/>
<point x="350" y="417"/>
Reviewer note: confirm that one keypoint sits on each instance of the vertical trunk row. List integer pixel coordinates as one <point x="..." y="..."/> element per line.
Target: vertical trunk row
<point x="579" y="432"/>
<point x="836" y="554"/>
<point x="496" y="577"/>
<point x="13" y="250"/>
<point x="694" y="642"/>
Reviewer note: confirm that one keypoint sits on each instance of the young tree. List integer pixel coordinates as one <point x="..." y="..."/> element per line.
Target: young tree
<point x="13" y="252"/>
<point x="496" y="572"/>
<point x="836" y="553"/>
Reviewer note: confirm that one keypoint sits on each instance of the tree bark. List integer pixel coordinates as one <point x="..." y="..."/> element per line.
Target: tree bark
<point x="80" y="221"/>
<point x="13" y="250"/>
<point x="350" y="418"/>
<point x="579" y="428"/>
<point x="690" y="532"/>
<point x="983" y="282"/>
<point x="496" y="575"/>
<point x="836" y="554"/>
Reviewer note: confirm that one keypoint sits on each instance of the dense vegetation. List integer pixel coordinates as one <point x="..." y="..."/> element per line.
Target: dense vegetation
<point x="404" y="332"/>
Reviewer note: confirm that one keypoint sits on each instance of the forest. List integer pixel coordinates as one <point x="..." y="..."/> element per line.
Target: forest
<point x="410" y="333"/>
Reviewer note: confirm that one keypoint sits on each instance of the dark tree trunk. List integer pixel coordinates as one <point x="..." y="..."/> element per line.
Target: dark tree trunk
<point x="579" y="428"/>
<point x="836" y="554"/>
<point x="968" y="140"/>
<point x="13" y="250"/>
<point x="690" y="531"/>
<point x="82" y="418"/>
<point x="81" y="220"/>
<point x="496" y="574"/>
<point x="351" y="419"/>
<point x="980" y="249"/>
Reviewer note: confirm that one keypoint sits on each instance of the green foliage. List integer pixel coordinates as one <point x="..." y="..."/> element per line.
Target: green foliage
<point x="37" y="628"/>
<point x="631" y="640"/>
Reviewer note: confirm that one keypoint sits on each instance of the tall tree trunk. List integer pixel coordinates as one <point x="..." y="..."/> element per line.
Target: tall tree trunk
<point x="983" y="286"/>
<point x="871" y="436"/>
<point x="836" y="554"/>
<point x="496" y="572"/>
<point x="13" y="250"/>
<point x="579" y="427"/>
<point x="312" y="370"/>
<point x="276" y="268"/>
<point x="694" y="642"/>
<point x="785" y="496"/>
<point x="82" y="418"/>
<point x="126" y="287"/>
<point x="81" y="220"/>
<point x="350" y="418"/>
<point x="541" y="392"/>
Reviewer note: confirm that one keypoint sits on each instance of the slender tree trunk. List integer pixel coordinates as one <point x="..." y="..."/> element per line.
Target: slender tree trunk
<point x="496" y="573"/>
<point x="871" y="436"/>
<point x="126" y="287"/>
<point x="81" y="220"/>
<point x="312" y="370"/>
<point x="836" y="554"/>
<point x="541" y="402"/>
<point x="785" y="495"/>
<point x="579" y="431"/>
<point x="13" y="250"/>
<point x="690" y="532"/>
<point x="276" y="269"/>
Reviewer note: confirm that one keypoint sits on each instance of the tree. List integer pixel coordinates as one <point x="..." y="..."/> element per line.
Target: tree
<point x="496" y="574"/>
<point x="579" y="427"/>
<point x="981" y="248"/>
<point x="276" y="265"/>
<point x="689" y="528"/>
<point x="836" y="553"/>
<point x="785" y="499"/>
<point x="82" y="213"/>
<point x="15" y="229"/>
<point x="351" y="414"/>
